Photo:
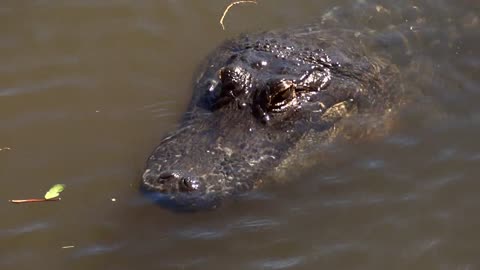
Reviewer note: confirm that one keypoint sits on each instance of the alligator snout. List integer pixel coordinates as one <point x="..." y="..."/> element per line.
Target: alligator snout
<point x="180" y="181"/>
<point x="173" y="181"/>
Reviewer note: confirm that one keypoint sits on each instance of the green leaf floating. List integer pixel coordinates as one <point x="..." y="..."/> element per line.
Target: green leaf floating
<point x="54" y="191"/>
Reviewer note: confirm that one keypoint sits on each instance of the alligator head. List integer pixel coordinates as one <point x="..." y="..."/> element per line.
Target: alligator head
<point x="256" y="99"/>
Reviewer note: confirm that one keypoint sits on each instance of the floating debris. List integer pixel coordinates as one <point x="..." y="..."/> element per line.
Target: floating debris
<point x="231" y="5"/>
<point x="54" y="191"/>
<point x="34" y="200"/>
<point x="51" y="195"/>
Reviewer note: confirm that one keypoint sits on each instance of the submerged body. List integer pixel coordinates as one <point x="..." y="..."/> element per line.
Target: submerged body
<point x="262" y="103"/>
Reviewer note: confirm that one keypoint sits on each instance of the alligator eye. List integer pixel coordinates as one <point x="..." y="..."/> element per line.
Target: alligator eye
<point x="234" y="82"/>
<point x="315" y="80"/>
<point x="279" y="96"/>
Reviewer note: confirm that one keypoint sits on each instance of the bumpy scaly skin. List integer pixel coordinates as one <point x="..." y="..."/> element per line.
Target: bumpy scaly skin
<point x="257" y="98"/>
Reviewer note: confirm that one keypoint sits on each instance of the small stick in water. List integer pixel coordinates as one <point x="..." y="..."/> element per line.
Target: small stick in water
<point x="35" y="200"/>
<point x="233" y="4"/>
<point x="51" y="195"/>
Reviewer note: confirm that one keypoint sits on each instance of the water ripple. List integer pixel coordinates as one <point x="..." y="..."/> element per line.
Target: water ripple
<point x="372" y="164"/>
<point x="37" y="226"/>
<point x="338" y="248"/>
<point x="96" y="250"/>
<point x="203" y="234"/>
<point x="405" y="141"/>
<point x="279" y="263"/>
<point x="255" y="224"/>
<point x="42" y="86"/>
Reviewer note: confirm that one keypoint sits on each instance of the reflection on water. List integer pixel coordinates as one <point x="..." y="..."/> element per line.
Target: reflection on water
<point x="88" y="88"/>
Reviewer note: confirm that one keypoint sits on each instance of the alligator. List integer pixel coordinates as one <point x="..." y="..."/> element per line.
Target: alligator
<point x="263" y="102"/>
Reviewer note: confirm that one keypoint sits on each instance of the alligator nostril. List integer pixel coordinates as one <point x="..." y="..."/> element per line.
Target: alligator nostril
<point x="169" y="175"/>
<point x="177" y="181"/>
<point x="184" y="185"/>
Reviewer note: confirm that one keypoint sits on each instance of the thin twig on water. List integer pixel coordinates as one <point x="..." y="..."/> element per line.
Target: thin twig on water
<point x="35" y="200"/>
<point x="231" y="5"/>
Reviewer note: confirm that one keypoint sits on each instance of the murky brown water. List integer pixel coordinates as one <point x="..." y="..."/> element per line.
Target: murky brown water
<point x="88" y="88"/>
